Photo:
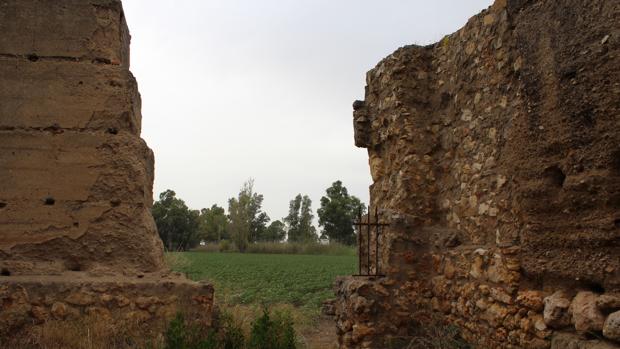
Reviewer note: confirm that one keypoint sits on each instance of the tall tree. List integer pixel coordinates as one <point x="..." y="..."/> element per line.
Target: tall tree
<point x="337" y="213"/>
<point x="213" y="223"/>
<point x="299" y="220"/>
<point x="275" y="232"/>
<point x="259" y="219"/>
<point x="292" y="220"/>
<point x="178" y="226"/>
<point x="246" y="220"/>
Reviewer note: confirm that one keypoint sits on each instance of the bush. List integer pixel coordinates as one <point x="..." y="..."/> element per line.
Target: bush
<point x="276" y="333"/>
<point x="266" y="333"/>
<point x="183" y="335"/>
<point x="230" y="334"/>
<point x="176" y="334"/>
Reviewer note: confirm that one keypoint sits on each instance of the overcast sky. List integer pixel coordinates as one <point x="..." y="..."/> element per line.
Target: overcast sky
<point x="238" y="89"/>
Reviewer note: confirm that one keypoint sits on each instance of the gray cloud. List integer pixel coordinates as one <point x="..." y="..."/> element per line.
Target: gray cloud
<point x="263" y="89"/>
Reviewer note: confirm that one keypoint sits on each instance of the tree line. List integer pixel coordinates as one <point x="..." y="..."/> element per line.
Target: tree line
<point x="182" y="228"/>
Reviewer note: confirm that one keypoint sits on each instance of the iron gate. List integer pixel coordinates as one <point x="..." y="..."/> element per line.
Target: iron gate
<point x="378" y="229"/>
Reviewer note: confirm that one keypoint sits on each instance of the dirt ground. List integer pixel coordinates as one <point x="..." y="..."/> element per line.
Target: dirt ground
<point x="321" y="336"/>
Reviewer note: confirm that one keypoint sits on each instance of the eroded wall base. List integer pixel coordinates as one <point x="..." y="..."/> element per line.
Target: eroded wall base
<point x="148" y="302"/>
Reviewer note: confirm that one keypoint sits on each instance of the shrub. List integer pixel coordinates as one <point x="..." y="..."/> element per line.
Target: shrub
<point x="230" y="335"/>
<point x="183" y="335"/>
<point x="276" y="333"/>
<point x="267" y="332"/>
<point x="176" y="334"/>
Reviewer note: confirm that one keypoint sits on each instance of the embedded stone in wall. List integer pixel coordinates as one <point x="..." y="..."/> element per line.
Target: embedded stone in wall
<point x="500" y="145"/>
<point x="556" y="312"/>
<point x="586" y="315"/>
<point x="611" y="328"/>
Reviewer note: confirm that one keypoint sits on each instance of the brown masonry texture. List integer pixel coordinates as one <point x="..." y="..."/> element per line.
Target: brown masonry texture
<point x="75" y="177"/>
<point x="495" y="157"/>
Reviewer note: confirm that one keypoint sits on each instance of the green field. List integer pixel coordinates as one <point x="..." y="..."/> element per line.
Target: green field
<point x="300" y="280"/>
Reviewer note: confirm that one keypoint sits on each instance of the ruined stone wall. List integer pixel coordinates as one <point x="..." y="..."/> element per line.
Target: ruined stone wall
<point x="495" y="157"/>
<point x="75" y="176"/>
<point x="76" y="179"/>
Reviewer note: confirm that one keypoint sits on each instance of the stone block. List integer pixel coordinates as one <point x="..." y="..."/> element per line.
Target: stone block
<point x="611" y="328"/>
<point x="585" y="315"/>
<point x="556" y="313"/>
<point x="608" y="302"/>
<point x="531" y="299"/>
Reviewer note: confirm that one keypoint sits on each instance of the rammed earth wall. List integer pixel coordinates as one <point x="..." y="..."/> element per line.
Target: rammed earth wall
<point x="76" y="233"/>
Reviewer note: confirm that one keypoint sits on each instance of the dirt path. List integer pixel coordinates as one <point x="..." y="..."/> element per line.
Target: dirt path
<point x="320" y="336"/>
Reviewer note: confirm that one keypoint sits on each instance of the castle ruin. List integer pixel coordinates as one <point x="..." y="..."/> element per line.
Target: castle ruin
<point x="76" y="233"/>
<point x="495" y="157"/>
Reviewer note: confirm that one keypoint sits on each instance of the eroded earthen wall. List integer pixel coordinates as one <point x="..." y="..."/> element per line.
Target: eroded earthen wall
<point x="495" y="157"/>
<point x="76" y="234"/>
<point x="75" y="179"/>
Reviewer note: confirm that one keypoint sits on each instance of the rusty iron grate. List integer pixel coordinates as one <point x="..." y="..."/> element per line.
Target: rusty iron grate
<point x="378" y="229"/>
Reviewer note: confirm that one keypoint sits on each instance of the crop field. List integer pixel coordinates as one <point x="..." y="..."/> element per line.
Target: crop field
<point x="300" y="280"/>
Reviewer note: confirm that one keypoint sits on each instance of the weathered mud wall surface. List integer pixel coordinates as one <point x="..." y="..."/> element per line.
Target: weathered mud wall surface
<point x="76" y="232"/>
<point x="76" y="179"/>
<point x="495" y="158"/>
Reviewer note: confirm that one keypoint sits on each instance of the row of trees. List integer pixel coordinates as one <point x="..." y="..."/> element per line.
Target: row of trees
<point x="181" y="228"/>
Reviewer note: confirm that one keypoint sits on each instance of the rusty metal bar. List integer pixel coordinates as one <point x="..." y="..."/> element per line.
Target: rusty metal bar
<point x="359" y="236"/>
<point x="360" y="233"/>
<point x="376" y="242"/>
<point x="368" y="242"/>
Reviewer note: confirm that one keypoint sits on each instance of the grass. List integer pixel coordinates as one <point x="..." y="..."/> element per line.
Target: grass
<point x="269" y="330"/>
<point x="303" y="281"/>
<point x="90" y="332"/>
<point x="247" y="283"/>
